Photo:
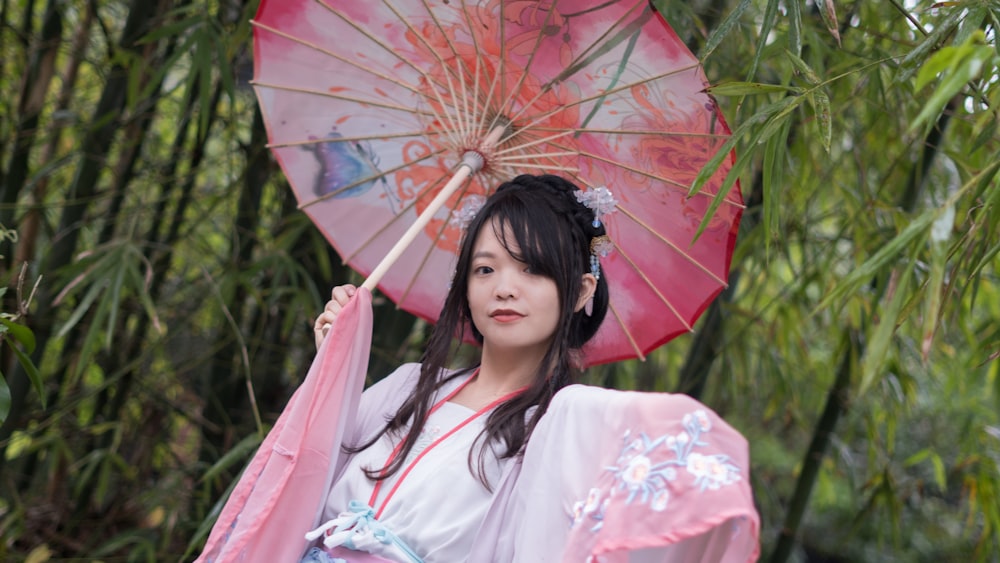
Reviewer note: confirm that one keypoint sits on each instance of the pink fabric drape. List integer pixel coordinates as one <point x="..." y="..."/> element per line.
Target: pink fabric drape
<point x="280" y="493"/>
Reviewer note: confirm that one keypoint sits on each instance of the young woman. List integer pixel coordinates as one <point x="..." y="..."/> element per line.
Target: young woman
<point x="507" y="460"/>
<point x="522" y="286"/>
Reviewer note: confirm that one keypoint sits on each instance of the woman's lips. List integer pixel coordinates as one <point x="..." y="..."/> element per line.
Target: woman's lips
<point x="505" y="316"/>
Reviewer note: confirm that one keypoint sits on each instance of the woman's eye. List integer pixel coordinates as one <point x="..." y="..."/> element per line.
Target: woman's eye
<point x="482" y="270"/>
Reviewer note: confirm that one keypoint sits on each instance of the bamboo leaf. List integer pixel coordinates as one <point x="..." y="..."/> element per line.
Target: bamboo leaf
<point x="81" y="309"/>
<point x="724" y="28"/>
<point x="804" y="69"/>
<point x="940" y="475"/>
<point x="114" y="299"/>
<point x="878" y="346"/>
<point x="795" y="27"/>
<point x="237" y="454"/>
<point x="21" y="333"/>
<point x="965" y="63"/>
<point x="5" y="401"/>
<point x="821" y="107"/>
<point x="773" y="174"/>
<point x="940" y="233"/>
<point x="828" y="11"/>
<point x="767" y="24"/>
<point x="752" y="126"/>
<point x="30" y="369"/>
<point x="942" y="30"/>
<point x="748" y="89"/>
<point x="886" y="254"/>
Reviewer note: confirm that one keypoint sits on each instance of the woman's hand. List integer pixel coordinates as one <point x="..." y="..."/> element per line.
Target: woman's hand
<point x="338" y="299"/>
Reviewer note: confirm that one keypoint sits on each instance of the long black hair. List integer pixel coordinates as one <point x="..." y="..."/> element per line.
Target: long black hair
<point x="553" y="233"/>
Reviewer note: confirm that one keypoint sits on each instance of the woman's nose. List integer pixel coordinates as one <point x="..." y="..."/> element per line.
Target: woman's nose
<point x="506" y="287"/>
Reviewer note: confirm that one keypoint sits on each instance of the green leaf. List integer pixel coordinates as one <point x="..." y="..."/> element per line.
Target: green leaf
<point x="878" y="346"/>
<point x="821" y="107"/>
<point x="237" y="454"/>
<point x="795" y="27"/>
<point x="81" y="309"/>
<point x="30" y="369"/>
<point x="828" y="12"/>
<point x="942" y="30"/>
<point x="965" y="63"/>
<point x="21" y="333"/>
<point x="720" y="32"/>
<point x="770" y="13"/>
<point x="804" y="69"/>
<point x="886" y="254"/>
<point x="5" y="400"/>
<point x="751" y="126"/>
<point x="773" y="174"/>
<point x="748" y="89"/>
<point x="940" y="475"/>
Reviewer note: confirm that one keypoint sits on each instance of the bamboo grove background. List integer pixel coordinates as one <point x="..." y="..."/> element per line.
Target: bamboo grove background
<point x="160" y="283"/>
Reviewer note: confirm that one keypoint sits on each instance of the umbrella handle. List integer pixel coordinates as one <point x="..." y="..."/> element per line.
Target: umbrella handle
<point x="472" y="162"/>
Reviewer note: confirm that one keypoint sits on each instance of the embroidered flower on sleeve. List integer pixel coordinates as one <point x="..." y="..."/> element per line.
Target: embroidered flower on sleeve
<point x="646" y="467"/>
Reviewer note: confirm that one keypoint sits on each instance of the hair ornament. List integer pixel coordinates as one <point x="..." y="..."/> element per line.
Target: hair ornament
<point x="600" y="200"/>
<point x="600" y="247"/>
<point x="471" y="204"/>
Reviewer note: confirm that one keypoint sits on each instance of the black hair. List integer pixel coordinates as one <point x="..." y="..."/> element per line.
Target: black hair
<point x="553" y="233"/>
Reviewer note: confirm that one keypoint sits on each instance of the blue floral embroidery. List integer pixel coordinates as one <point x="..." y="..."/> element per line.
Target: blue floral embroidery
<point x="642" y="470"/>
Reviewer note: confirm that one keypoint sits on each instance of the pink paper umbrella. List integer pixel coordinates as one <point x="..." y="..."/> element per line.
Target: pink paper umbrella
<point x="389" y="117"/>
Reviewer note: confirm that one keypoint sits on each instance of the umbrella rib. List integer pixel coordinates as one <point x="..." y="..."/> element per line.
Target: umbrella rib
<point x="673" y="246"/>
<point x="628" y="333"/>
<point x="529" y="156"/>
<point x="573" y="68"/>
<point x="509" y="101"/>
<point x="652" y="176"/>
<point x="328" y="94"/>
<point x="550" y="138"/>
<point x="538" y="118"/>
<point x="525" y="71"/>
<point x="474" y="118"/>
<point x="372" y="178"/>
<point x="460" y="71"/>
<point x="340" y="58"/>
<point x="651" y="133"/>
<point x="514" y="169"/>
<point x="389" y="50"/>
<point x="653" y="287"/>
<point x="352" y="139"/>
<point x="582" y="60"/>
<point x="447" y="74"/>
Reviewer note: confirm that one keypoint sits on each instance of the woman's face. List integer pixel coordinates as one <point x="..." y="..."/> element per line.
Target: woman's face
<point x="515" y="309"/>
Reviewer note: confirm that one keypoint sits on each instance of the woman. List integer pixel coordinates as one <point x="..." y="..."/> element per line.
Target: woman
<point x="506" y="460"/>
<point x="522" y="286"/>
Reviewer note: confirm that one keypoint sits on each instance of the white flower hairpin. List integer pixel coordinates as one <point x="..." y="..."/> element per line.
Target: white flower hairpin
<point x="464" y="215"/>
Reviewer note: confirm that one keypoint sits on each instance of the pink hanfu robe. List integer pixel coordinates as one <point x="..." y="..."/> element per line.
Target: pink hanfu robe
<point x="607" y="476"/>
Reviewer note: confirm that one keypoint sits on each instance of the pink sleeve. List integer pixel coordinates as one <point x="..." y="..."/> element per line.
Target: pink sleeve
<point x="612" y="476"/>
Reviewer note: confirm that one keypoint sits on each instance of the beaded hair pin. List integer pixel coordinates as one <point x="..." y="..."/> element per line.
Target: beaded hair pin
<point x="602" y="202"/>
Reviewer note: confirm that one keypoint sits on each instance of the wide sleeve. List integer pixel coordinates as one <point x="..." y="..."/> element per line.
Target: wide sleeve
<point x="278" y="497"/>
<point x="613" y="476"/>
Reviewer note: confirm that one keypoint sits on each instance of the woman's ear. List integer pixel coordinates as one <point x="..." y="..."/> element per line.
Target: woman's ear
<point x="588" y="285"/>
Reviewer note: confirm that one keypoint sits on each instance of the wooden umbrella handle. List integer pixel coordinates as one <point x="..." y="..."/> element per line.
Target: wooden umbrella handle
<point x="464" y="171"/>
<point x="472" y="162"/>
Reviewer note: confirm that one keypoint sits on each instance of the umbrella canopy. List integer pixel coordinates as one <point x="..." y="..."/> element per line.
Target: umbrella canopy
<point x="372" y="106"/>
